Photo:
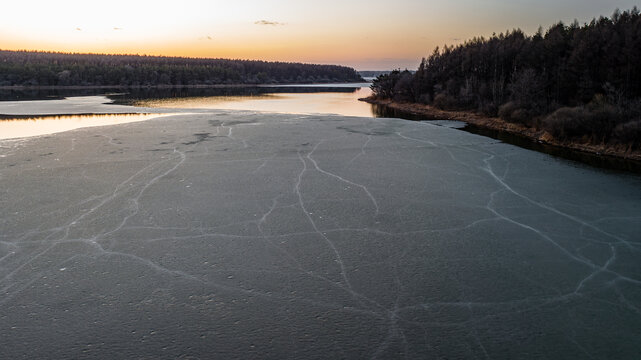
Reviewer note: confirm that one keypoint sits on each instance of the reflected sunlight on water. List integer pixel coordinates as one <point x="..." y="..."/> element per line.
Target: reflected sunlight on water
<point x="23" y="126"/>
<point x="342" y="103"/>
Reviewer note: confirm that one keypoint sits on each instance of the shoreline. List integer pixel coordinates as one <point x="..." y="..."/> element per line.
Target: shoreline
<point x="201" y="86"/>
<point x="497" y="124"/>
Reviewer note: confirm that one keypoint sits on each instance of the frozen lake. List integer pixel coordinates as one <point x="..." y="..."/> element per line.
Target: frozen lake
<point x="238" y="234"/>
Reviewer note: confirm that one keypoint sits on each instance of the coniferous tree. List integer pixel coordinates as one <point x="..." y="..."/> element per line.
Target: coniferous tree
<point x="575" y="81"/>
<point x="59" y="69"/>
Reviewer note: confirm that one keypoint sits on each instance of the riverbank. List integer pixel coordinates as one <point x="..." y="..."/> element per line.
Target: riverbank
<point x="164" y="86"/>
<point x="497" y="124"/>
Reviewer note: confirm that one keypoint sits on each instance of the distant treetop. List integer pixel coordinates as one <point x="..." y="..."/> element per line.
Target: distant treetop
<point x="34" y="68"/>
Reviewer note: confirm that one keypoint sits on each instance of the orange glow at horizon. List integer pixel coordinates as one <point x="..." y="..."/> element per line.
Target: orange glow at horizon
<point x="367" y="35"/>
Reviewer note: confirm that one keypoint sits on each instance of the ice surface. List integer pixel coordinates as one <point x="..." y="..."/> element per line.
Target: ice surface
<point x="244" y="235"/>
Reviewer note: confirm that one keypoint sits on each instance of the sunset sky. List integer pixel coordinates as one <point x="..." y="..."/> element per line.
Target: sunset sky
<point x="367" y="35"/>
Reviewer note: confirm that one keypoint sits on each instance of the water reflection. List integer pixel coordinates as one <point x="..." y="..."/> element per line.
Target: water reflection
<point x="51" y="94"/>
<point x="307" y="99"/>
<point x="293" y="103"/>
<point x="16" y="126"/>
<point x="600" y="161"/>
<point x="126" y="95"/>
<point x="339" y="99"/>
<point x="382" y="111"/>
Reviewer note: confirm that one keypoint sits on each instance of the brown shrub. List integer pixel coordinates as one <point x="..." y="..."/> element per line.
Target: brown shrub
<point x="514" y="112"/>
<point x="444" y="102"/>
<point x="628" y="133"/>
<point x="566" y="123"/>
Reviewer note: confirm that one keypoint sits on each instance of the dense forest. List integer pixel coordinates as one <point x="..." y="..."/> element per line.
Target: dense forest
<point x="29" y="68"/>
<point x="579" y="83"/>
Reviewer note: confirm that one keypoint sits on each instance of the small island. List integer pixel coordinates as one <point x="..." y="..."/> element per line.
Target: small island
<point x="572" y="86"/>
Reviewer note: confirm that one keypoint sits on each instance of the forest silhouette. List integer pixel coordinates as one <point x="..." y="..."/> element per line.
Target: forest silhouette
<point x="579" y="83"/>
<point x="33" y="68"/>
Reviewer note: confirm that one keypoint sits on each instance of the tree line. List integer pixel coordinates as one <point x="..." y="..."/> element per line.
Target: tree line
<point x="34" y="68"/>
<point x="577" y="82"/>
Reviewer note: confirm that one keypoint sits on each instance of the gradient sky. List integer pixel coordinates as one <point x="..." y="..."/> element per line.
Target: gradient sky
<point x="367" y="35"/>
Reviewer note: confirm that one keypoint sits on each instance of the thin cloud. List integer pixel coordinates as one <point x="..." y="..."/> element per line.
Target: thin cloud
<point x="269" y="23"/>
<point x="117" y="28"/>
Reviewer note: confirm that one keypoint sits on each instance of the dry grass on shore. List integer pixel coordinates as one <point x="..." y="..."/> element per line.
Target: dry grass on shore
<point x="495" y="123"/>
